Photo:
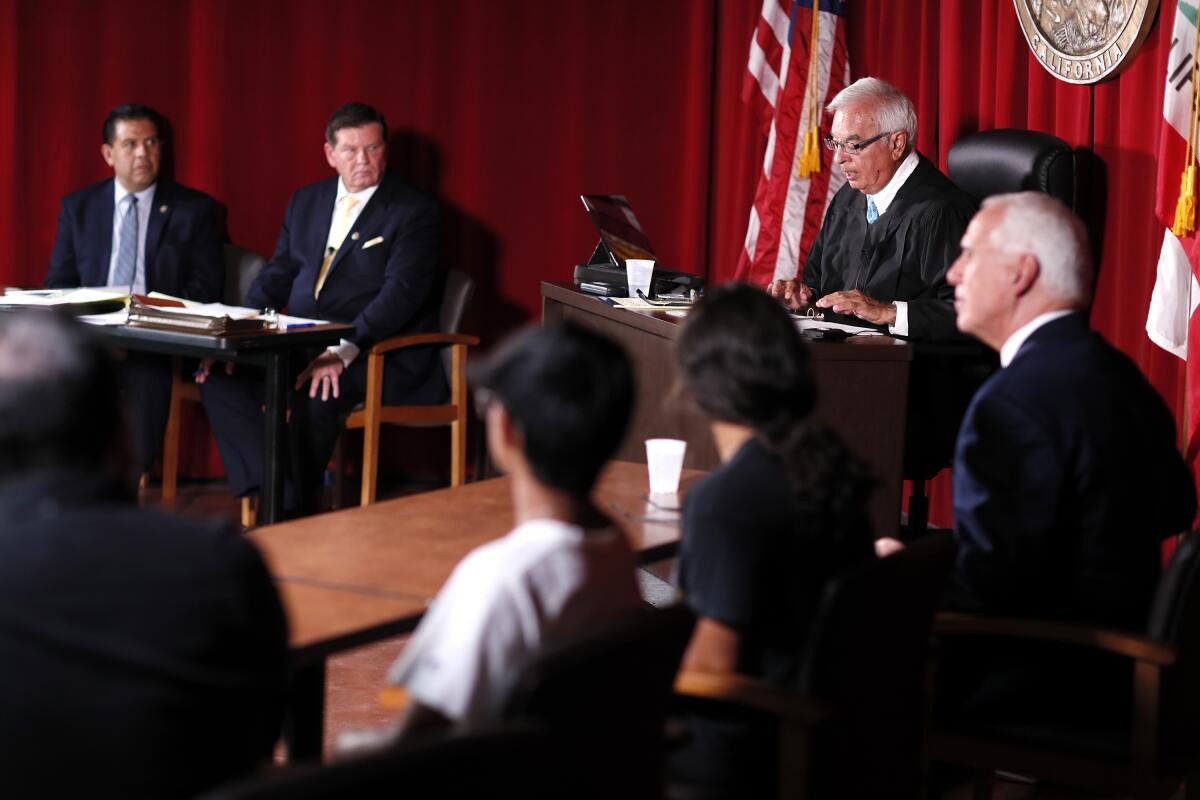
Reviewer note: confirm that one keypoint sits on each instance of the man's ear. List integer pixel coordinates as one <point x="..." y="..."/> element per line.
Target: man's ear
<point x="106" y="153"/>
<point x="329" y="155"/>
<point x="505" y="440"/>
<point x="899" y="145"/>
<point x="1026" y="273"/>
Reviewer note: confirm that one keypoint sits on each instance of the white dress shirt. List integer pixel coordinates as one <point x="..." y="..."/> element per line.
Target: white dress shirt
<point x="1017" y="338"/>
<point x="145" y="199"/>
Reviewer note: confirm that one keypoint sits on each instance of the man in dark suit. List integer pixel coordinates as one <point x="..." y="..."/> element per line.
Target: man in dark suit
<point x="360" y="248"/>
<point x="892" y="231"/>
<point x="1066" y="474"/>
<point x="139" y="233"/>
<point x="144" y="654"/>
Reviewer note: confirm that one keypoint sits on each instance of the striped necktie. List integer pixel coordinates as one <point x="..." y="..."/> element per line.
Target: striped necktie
<point x="128" y="246"/>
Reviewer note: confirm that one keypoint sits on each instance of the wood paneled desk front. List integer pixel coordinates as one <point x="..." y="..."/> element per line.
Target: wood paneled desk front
<point x="862" y="391"/>
<point x="363" y="574"/>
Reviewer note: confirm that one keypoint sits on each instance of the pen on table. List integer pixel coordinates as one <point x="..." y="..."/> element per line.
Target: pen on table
<point x="294" y="325"/>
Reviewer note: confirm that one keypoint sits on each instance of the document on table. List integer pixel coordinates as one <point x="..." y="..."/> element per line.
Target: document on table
<point x="816" y="323"/>
<point x="57" y="297"/>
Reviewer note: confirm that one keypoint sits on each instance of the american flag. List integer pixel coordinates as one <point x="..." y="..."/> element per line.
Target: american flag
<point x="1173" y="322"/>
<point x="788" y="209"/>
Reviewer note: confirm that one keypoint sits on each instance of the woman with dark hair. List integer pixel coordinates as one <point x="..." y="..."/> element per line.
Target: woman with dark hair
<point x="763" y="533"/>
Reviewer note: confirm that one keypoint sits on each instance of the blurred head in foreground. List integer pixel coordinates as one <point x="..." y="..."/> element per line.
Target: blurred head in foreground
<point x="59" y="404"/>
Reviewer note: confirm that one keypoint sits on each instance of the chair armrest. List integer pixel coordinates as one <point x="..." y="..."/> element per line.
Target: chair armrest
<point x="1123" y="643"/>
<point x="419" y="339"/>
<point x="393" y="698"/>
<point x="757" y="695"/>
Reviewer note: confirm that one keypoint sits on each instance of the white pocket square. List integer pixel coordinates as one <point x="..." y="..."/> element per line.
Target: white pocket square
<point x="372" y="243"/>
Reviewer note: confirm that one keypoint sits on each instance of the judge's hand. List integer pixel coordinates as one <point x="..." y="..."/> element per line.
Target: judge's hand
<point x="206" y="365"/>
<point x="323" y="373"/>
<point x="794" y="294"/>
<point x="857" y="304"/>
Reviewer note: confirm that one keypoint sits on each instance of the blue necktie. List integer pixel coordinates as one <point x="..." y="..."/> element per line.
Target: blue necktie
<point x="872" y="212"/>
<point x="127" y="249"/>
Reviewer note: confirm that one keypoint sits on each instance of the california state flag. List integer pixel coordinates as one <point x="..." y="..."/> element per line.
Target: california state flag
<point x="1172" y="322"/>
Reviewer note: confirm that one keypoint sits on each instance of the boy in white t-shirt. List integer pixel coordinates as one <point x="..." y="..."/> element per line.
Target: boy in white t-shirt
<point x="558" y="401"/>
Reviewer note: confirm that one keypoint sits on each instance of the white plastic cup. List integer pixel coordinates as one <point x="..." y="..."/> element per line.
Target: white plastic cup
<point x="664" y="457"/>
<point x="638" y="272"/>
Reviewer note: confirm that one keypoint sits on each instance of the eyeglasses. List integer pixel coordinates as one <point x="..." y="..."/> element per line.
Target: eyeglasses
<point x="853" y="148"/>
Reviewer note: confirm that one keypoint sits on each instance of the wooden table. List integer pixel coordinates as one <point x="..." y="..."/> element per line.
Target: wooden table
<point x="862" y="391"/>
<point x="360" y="575"/>
<point x="268" y="349"/>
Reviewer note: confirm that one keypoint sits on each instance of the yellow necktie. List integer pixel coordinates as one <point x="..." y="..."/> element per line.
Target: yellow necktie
<point x="337" y="233"/>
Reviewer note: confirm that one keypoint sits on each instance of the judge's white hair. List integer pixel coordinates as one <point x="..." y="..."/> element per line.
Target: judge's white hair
<point x="1038" y="224"/>
<point x="890" y="108"/>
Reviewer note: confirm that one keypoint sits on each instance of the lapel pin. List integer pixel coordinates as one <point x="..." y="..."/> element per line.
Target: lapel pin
<point x="354" y="236"/>
<point x="162" y="209"/>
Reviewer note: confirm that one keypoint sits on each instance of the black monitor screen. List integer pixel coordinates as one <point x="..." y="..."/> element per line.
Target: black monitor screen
<point x="618" y="226"/>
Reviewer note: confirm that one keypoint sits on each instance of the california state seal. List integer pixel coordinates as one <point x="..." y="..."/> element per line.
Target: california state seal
<point x="1085" y="41"/>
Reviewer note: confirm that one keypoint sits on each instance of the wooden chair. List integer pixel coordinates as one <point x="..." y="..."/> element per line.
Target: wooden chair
<point x="241" y="268"/>
<point x="1150" y="761"/>
<point x="481" y="763"/>
<point x="855" y="725"/>
<point x="373" y="413"/>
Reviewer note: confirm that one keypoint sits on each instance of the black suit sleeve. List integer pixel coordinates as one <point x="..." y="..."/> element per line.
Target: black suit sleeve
<point x="64" y="269"/>
<point x="940" y="243"/>
<point x="255" y="639"/>
<point x="812" y="265"/>
<point x="1007" y="475"/>
<point x="274" y="282"/>
<point x="204" y="260"/>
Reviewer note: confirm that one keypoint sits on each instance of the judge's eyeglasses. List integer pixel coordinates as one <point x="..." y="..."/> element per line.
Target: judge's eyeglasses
<point x="853" y="148"/>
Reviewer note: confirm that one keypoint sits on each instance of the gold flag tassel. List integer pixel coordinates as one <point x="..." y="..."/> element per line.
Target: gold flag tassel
<point x="1185" y="209"/>
<point x="810" y="156"/>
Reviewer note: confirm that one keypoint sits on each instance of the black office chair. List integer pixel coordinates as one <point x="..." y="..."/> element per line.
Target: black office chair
<point x="1148" y="758"/>
<point x="981" y="164"/>
<point x="508" y="759"/>
<point x="604" y="697"/>
<point x="1011" y="160"/>
<point x="855" y="725"/>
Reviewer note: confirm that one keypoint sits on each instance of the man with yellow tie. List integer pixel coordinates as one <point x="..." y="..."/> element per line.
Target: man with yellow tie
<point x="360" y="248"/>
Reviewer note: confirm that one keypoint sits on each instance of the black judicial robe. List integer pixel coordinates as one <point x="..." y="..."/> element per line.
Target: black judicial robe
<point x="905" y="255"/>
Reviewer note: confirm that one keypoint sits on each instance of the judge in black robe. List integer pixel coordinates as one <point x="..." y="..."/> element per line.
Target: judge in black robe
<point x="860" y="266"/>
<point x="903" y="256"/>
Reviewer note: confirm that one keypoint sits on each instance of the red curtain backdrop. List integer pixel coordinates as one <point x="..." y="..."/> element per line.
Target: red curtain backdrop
<point x="507" y="111"/>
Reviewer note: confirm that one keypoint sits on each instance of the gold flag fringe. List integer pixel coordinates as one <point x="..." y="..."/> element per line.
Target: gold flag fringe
<point x="1185" y="209"/>
<point x="810" y="156"/>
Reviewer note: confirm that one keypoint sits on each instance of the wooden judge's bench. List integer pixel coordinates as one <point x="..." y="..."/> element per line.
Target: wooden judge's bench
<point x="862" y="391"/>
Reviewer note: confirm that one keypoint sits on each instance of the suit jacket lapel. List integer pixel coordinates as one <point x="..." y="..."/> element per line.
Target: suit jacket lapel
<point x="375" y="207"/>
<point x="160" y="214"/>
<point x="100" y="231"/>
